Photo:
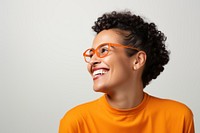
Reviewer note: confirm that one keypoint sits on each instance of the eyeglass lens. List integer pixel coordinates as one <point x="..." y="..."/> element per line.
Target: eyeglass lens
<point x="101" y="51"/>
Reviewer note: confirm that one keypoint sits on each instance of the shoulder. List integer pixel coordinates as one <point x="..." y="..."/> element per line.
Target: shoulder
<point x="78" y="113"/>
<point x="172" y="113"/>
<point x="170" y="106"/>
<point x="76" y="117"/>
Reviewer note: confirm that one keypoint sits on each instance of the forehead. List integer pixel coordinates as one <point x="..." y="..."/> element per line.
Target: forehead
<point x="107" y="36"/>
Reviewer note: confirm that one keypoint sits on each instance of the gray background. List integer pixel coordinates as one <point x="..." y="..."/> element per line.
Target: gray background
<point x="42" y="72"/>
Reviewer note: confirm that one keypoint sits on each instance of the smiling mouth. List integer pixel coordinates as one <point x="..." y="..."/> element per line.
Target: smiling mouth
<point x="100" y="72"/>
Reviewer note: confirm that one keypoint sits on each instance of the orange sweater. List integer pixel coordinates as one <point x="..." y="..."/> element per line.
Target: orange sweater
<point x="153" y="115"/>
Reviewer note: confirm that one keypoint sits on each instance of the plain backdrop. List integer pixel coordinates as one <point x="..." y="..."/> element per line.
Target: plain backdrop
<point x="42" y="71"/>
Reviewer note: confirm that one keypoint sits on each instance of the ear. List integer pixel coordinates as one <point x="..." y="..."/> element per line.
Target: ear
<point x="139" y="60"/>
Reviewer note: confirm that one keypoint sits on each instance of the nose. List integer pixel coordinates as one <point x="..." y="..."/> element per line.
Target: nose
<point x="94" y="60"/>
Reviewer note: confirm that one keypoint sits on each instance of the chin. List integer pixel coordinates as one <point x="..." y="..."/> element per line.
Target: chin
<point x="98" y="89"/>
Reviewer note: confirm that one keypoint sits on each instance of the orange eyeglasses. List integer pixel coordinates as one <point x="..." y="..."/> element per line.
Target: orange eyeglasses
<point x="102" y="50"/>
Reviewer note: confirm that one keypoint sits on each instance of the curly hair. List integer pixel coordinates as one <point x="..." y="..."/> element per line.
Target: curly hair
<point x="142" y="35"/>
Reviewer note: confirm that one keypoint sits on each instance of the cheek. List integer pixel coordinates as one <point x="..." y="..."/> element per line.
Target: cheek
<point x="116" y="64"/>
<point x="119" y="61"/>
<point x="122" y="66"/>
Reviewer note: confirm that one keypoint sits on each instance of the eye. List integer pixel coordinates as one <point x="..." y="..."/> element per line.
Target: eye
<point x="89" y="53"/>
<point x="103" y="50"/>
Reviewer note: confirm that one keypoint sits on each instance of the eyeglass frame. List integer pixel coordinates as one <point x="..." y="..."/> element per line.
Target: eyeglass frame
<point x="109" y="45"/>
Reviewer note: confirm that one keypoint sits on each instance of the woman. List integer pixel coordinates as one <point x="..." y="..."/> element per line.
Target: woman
<point x="127" y="53"/>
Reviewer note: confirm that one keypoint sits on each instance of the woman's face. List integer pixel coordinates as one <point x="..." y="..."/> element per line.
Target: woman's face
<point x="113" y="71"/>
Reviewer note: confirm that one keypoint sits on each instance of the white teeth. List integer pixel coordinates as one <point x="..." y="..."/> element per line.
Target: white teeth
<point x="100" y="71"/>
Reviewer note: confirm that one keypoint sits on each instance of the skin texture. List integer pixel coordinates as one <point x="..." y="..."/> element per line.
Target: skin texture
<point x="122" y="83"/>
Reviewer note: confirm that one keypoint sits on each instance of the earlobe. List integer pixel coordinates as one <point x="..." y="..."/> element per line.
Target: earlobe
<point x="135" y="63"/>
<point x="134" y="67"/>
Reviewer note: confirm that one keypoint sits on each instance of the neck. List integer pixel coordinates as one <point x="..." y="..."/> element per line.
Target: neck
<point x="126" y="99"/>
